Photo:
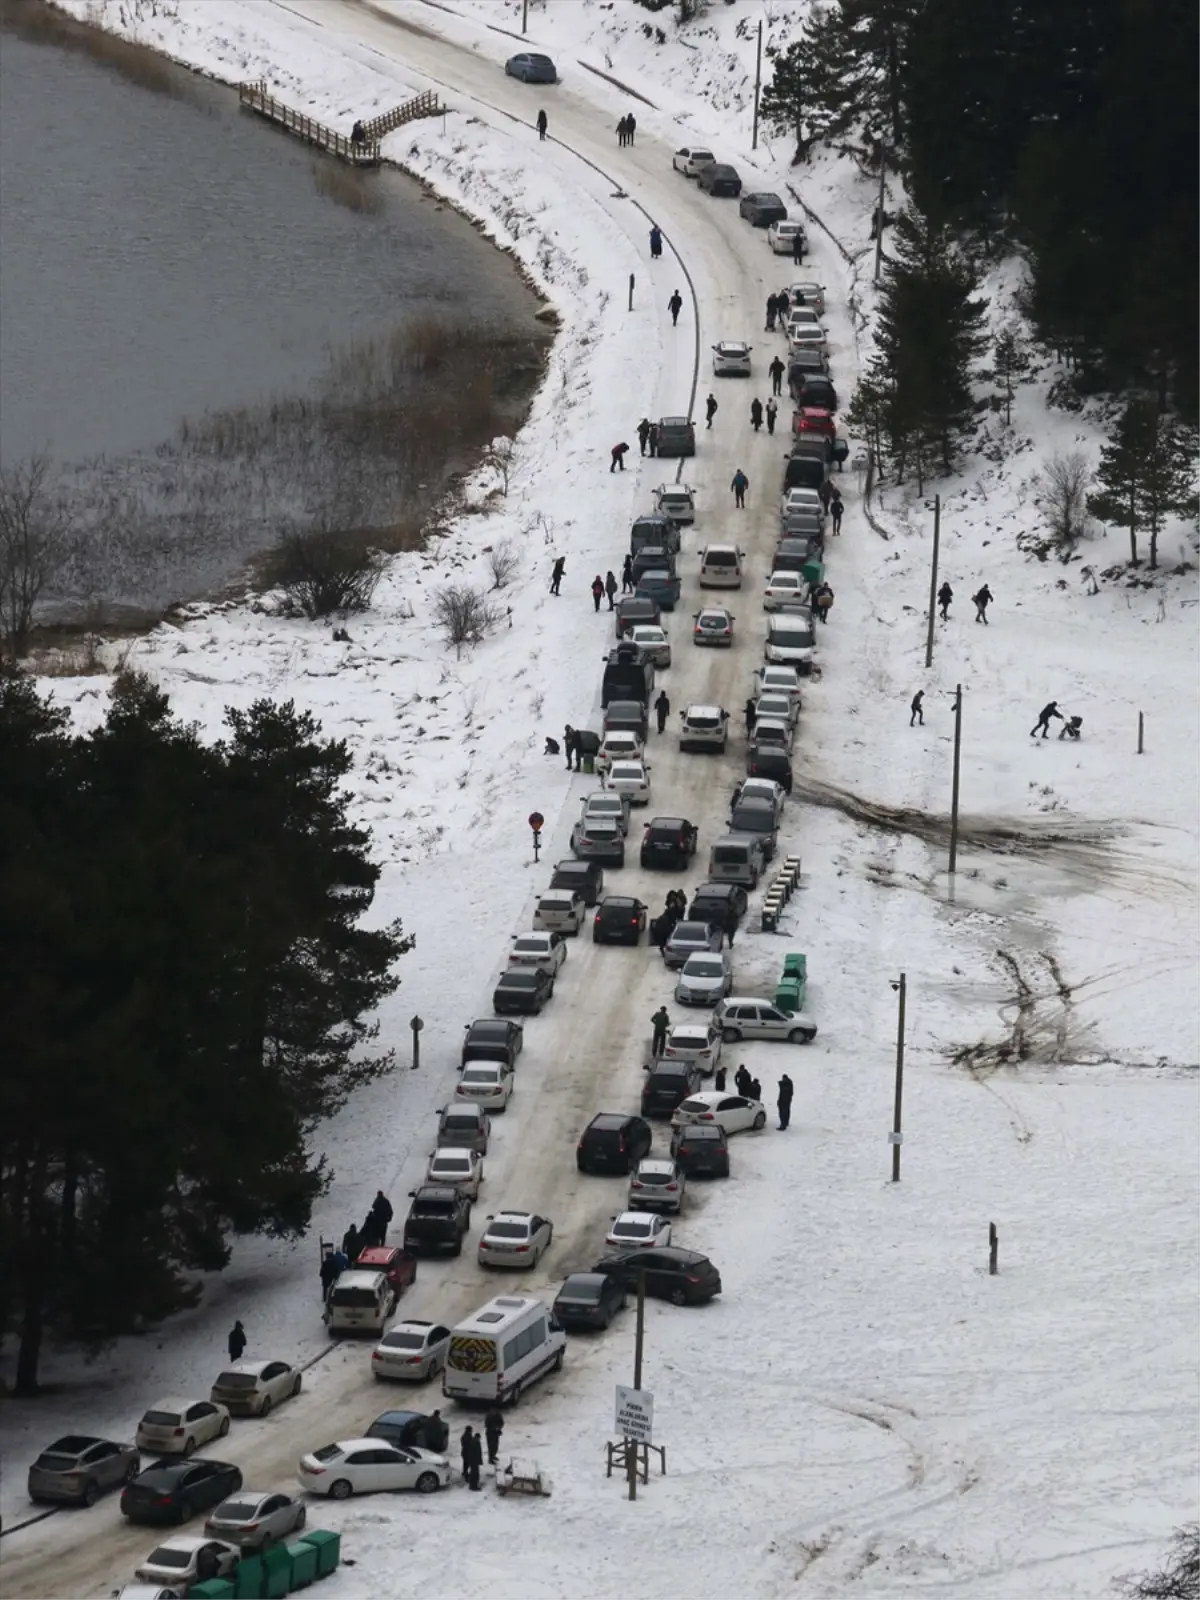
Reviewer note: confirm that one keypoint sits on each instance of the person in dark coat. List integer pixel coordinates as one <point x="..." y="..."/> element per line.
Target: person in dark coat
<point x="627" y="584"/>
<point x="570" y="745"/>
<point x="472" y="1456"/>
<point x="660" y="1023"/>
<point x="777" y="370"/>
<point x="1042" y="725"/>
<point x="772" y="312"/>
<point x="719" y="1080"/>
<point x="675" y="306"/>
<point x="944" y="596"/>
<point x="643" y="433"/>
<point x="381" y="1209"/>
<point x="368" y="1234"/>
<point x="619" y="452"/>
<point x="662" y="710"/>
<point x="772" y="413"/>
<point x="655" y="242"/>
<point x="755" y="1090"/>
<point x="981" y="600"/>
<point x="756" y="414"/>
<point x="751" y="716"/>
<point x="836" y="507"/>
<point x="597" y="590"/>
<point x="630" y="128"/>
<point x="358" y="134"/>
<point x="329" y="1273"/>
<point x="621" y="134"/>
<point x="350" y="1243"/>
<point x="784" y="1101"/>
<point x="742" y="1081"/>
<point x="556" y="573"/>
<point x="798" y="249"/>
<point x="236" y="1341"/>
<point x="611" y="587"/>
<point x="739" y="486"/>
<point x="822" y="601"/>
<point x="493" y="1427"/>
<point x="542" y="124"/>
<point x="654" y="438"/>
<point x="917" y="708"/>
<point x="437" y="1432"/>
<point x="710" y="409"/>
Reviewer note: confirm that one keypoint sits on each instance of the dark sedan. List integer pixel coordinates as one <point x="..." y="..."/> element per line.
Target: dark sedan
<point x="589" y="1300"/>
<point x="684" y="1277"/>
<point x="405" y="1428"/>
<point x="173" y="1490"/>
<point x="761" y="210"/>
<point x="490" y="1039"/>
<point x="702" y="1149"/>
<point x="524" y="990"/>
<point x="720" y="179"/>
<point x="619" y="920"/>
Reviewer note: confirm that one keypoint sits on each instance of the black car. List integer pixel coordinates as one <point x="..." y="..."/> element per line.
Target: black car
<point x="817" y="390"/>
<point x="722" y="903"/>
<point x="618" y="920"/>
<point x="761" y="210"/>
<point x="720" y="179"/>
<point x="586" y="876"/>
<point x="667" y="1085"/>
<point x="634" y="610"/>
<point x="408" y="1428"/>
<point x="668" y="842"/>
<point x="805" y="471"/>
<point x="765" y="762"/>
<point x="627" y="716"/>
<point x="701" y="1148"/>
<point x="438" y="1219"/>
<point x="589" y="1300"/>
<point x="491" y="1039"/>
<point x="613" y="1142"/>
<point x="522" y="989"/>
<point x="684" y="1277"/>
<point x="173" y="1490"/>
<point x="628" y="674"/>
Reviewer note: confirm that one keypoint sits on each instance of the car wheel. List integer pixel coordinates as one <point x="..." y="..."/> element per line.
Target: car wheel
<point x="801" y="1036"/>
<point x="428" y="1483"/>
<point x="678" y="1298"/>
<point x="91" y="1492"/>
<point x="189" y="1446"/>
<point x="558" y="1361"/>
<point x="224" y="1428"/>
<point x="341" y="1490"/>
<point x="296" y="1385"/>
<point x="760" y="1121"/>
<point x="514" y="1394"/>
<point x="301" y="1519"/>
<point x="265" y="1409"/>
<point x="730" y="1035"/>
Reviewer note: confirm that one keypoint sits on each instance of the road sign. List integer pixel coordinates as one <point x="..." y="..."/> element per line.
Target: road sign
<point x="536" y="820"/>
<point x="635" y="1414"/>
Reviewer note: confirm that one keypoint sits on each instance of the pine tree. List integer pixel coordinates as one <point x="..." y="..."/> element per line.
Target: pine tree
<point x="1146" y="473"/>
<point x="785" y="101"/>
<point x="1010" y="359"/>
<point x="875" y="49"/>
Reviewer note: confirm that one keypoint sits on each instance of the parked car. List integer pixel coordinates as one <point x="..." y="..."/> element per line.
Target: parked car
<point x="78" y="1468"/>
<point x="628" y="671"/>
<point x="613" y="1141"/>
<point x="720" y="179"/>
<point x="687" y="937"/>
<point x="782" y="235"/>
<point x="589" y="1300"/>
<point x="761" y="789"/>
<point x="560" y="911"/>
<point x="412" y="1351"/>
<point x="701" y="1148"/>
<point x="668" y="842"/>
<point x="667" y="1083"/>
<point x="677" y="501"/>
<point x="697" y="1043"/>
<point x="661" y="586"/>
<point x="254" y="1388"/>
<point x="638" y="1230"/>
<point x="685" y="1277"/>
<point x="703" y="728"/>
<point x="761" y="210"/>
<point x="463" y="1127"/>
<point x="676" y="435"/>
<point x="515" y="1239"/>
<point x="605" y="803"/>
<point x="455" y="1167"/>
<point x="523" y="991"/>
<point x="599" y="839"/>
<point x="816" y="390"/>
<point x="486" y="1083"/>
<point x="396" y="1265"/>
<point x="705" y="979"/>
<point x="619" y="919"/>
<point x="177" y="1427"/>
<point x="777" y="708"/>
<point x="756" y="816"/>
<point x="690" y="160"/>
<point x="733" y="1112"/>
<point x="490" y="1039"/>
<point x="530" y="67"/>
<point x="621" y="745"/>
<point x="772" y="731"/>
<point x="630" y="779"/>
<point x="655" y="527"/>
<point x="722" y="904"/>
<point x="173" y="1491"/>
<point x="791" y="639"/>
<point x="185" y="1560"/>
<point x="406" y="1429"/>
<point x="713" y="626"/>
<point x="653" y="639"/>
<point x="808" y="293"/>
<point x="765" y="762"/>
<point x="585" y="876"/>
<point x="784" y="588"/>
<point x="656" y="1185"/>
<point x="546" y="951"/>
<point x="731" y="359"/>
<point x="256" y="1519"/>
<point x="365" y="1466"/>
<point x="631" y="610"/>
<point x="439" y="1218"/>
<point x="747" y="1017"/>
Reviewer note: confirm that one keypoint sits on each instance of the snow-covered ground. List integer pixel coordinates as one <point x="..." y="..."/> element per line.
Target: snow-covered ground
<point x="864" y="1409"/>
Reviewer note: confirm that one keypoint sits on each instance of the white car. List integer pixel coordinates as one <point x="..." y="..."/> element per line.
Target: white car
<point x="690" y="159"/>
<point x="486" y="1083"/>
<point x="761" y="789"/>
<point x="638" y="1230"/>
<point x="781" y="236"/>
<point x="611" y="807"/>
<point x="733" y="1112"/>
<point x="411" y="1351"/>
<point x="801" y="499"/>
<point x="146" y="1591"/>
<point x="731" y="359"/>
<point x="174" y="1427"/>
<point x="620" y="745"/>
<point x="780" y="707"/>
<point x="784" y="588"/>
<point x="255" y="1388"/>
<point x="367" y="1466"/>
<point x="802" y="314"/>
<point x="179" y="1561"/>
<point x="456" y="1168"/>
<point x="781" y="680"/>
<point x="545" y="951"/>
<point x="656" y="1184"/>
<point x="560" y="911"/>
<point x="813" y="294"/>
<point x="695" y="1041"/>
<point x="631" y="779"/>
<point x="515" y="1239"/>
<point x="677" y="501"/>
<point x="748" y="1017"/>
<point x="703" y="728"/>
<point x="713" y="626"/>
<point x="654" y="641"/>
<point x="773" y="732"/>
<point x="705" y="978"/>
<point x="806" y="336"/>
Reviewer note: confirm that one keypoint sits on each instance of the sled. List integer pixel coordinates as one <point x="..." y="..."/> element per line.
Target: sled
<point x="522" y="1476"/>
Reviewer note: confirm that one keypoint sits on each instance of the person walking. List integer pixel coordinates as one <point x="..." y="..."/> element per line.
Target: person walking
<point x="330" y="1271"/>
<point x="619" y="452"/>
<point x="944" y="596"/>
<point x="369" y="1234"/>
<point x="1042" y="725"/>
<point x="784" y="1101"/>
<point x="542" y="124"/>
<point x="916" y="707"/>
<point x="627" y="584"/>
<point x="611" y="587"/>
<point x="556" y="573"/>
<point x="493" y="1427"/>
<point x="772" y="413"/>
<point x="655" y="242"/>
<point x="719" y="1080"/>
<point x="662" y="710"/>
<point x="381" y="1210"/>
<point x="660" y="1023"/>
<point x="822" y="601"/>
<point x="472" y="1457"/>
<point x="755" y="1090"/>
<point x="675" y="306"/>
<point x="621" y="134"/>
<point x="741" y="1081"/>
<point x="751" y="717"/>
<point x="643" y="433"/>
<point x="739" y="486"/>
<point x="756" y="414"/>
<point x="653" y="438"/>
<point x="981" y="600"/>
<point x="777" y="370"/>
<point x="437" y="1432"/>
<point x="350" y="1244"/>
<point x="710" y="410"/>
<point x="798" y="249"/>
<point x="597" y="590"/>
<point x="836" y="507"/>
<point x="236" y="1341"/>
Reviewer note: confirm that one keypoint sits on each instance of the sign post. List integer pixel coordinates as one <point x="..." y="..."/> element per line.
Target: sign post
<point x="536" y="822"/>
<point x="635" y="1414"/>
<point x="631" y="291"/>
<point x="416" y="1025"/>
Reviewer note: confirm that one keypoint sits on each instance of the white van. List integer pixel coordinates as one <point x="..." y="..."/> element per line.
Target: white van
<point x="721" y="567"/>
<point x="791" y="641"/>
<point x="503" y="1348"/>
<point x="360" y="1302"/>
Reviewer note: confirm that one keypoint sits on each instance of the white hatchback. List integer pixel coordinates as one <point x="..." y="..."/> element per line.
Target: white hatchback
<point x="545" y="951"/>
<point x="690" y="160"/>
<point x="621" y="745"/>
<point x="177" y="1427"/>
<point x="733" y="1112"/>
<point x="731" y="359"/>
<point x="367" y="1466"/>
<point x="638" y="1230"/>
<point x="699" y="1042"/>
<point x="631" y="779"/>
<point x="486" y="1083"/>
<point x="656" y="1184"/>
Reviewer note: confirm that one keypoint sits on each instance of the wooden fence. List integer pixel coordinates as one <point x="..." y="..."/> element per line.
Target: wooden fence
<point x="254" y="97"/>
<point x="422" y="105"/>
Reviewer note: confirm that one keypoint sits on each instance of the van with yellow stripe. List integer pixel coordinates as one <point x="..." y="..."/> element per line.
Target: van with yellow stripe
<point x="501" y="1349"/>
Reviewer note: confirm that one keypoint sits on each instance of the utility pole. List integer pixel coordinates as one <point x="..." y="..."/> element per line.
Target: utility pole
<point x="757" y="85"/>
<point x="631" y="1445"/>
<point x="879" y="211"/>
<point x="524" y="16"/>
<point x="933" y="583"/>
<point x="954" y="786"/>
<point x="902" y="988"/>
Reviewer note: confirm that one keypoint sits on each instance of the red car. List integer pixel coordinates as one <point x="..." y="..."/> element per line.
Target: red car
<point x="398" y="1266"/>
<point x="813" y="419"/>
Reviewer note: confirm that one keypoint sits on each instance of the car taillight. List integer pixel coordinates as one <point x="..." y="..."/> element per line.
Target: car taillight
<point x="691" y="1278"/>
<point x="312" y="1472"/>
<point x="177" y="1433"/>
<point x="164" y="1500"/>
<point x="707" y="1116"/>
<point x="521" y="1249"/>
<point x="672" y="1186"/>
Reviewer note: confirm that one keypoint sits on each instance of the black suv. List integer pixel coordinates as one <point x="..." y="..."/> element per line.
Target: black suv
<point x="613" y="1142"/>
<point x="522" y="989"/>
<point x="684" y="1277"/>
<point x="586" y="876"/>
<point x="719" y="179"/>
<point x="618" y="920"/>
<point x="722" y="903"/>
<point x="628" y="674"/>
<point x="438" y="1219"/>
<point x="816" y="390"/>
<point x="668" y="842"/>
<point x="667" y="1085"/>
<point x="701" y="1148"/>
<point x="492" y="1039"/>
<point x="774" y="764"/>
<point x="589" y="1300"/>
<point x="761" y="210"/>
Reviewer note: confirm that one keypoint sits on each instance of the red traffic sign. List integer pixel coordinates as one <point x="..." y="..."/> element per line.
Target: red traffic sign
<point x="536" y="819"/>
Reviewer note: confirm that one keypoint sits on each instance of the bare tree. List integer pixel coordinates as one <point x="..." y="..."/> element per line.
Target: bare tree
<point x="1063" y="486"/>
<point x="1179" y="1576"/>
<point x="32" y="545"/>
<point x="504" y="561"/>
<point x="499" y="456"/>
<point x="322" y="573"/>
<point x="465" y="615"/>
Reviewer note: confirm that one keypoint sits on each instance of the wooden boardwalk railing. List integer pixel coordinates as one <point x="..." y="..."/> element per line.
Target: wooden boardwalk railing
<point x="254" y="97"/>
<point x="423" y="105"/>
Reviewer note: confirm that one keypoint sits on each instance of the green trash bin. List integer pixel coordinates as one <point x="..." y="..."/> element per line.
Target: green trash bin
<point x="787" y="995"/>
<point x="304" y="1563"/>
<point x="249" y="1579"/>
<point x="589" y="764"/>
<point x="813" y="571"/>
<point x="214" y="1589"/>
<point x="328" y="1547"/>
<point x="277" y="1573"/>
<point x="795" y="966"/>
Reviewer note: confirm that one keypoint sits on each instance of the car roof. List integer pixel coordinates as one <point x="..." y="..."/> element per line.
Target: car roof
<point x="346" y="1445"/>
<point x="674" y="422"/>
<point x="611" y="1119"/>
<point x="511" y="1216"/>
<point x="668" y="822"/>
<point x="748" y="1000"/>
<point x="655" y="1164"/>
<point x="489" y="1026"/>
<point x="585" y="1280"/>
<point x="172" y="1402"/>
<point x="257" y="1367"/>
<point x="362" y="1279"/>
<point x="635" y="1215"/>
<point x="619" y="900"/>
<point x="688" y="1026"/>
<point x="407" y="1323"/>
<point x="522" y="976"/>
<point x="73" y="1444"/>
<point x="443" y="1191"/>
<point x="454" y="1153"/>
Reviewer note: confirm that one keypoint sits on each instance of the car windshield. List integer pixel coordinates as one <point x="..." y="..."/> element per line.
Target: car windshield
<point x="433" y="1208"/>
<point x="236" y="1380"/>
<point x="630" y="1230"/>
<point x="656" y="1177"/>
<point x="719" y="558"/>
<point x="753" y="819"/>
<point x="327" y="1452"/>
<point x="519" y="980"/>
<point x="792" y="638"/>
<point x="532" y="946"/>
<point x="452" y="1164"/>
<point x="236" y="1511"/>
<point x="461" y="1124"/>
<point x="480" y="1075"/>
<point x="353" y="1299"/>
<point x="50" y="1462"/>
<point x="162" y="1419"/>
<point x="164" y="1556"/>
<point x="583" y="1293"/>
<point x="704" y="967"/>
<point x="403" y="1341"/>
<point x="508" y="1230"/>
<point x="690" y="933"/>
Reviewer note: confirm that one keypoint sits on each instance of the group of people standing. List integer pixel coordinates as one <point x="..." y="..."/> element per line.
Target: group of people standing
<point x="374" y="1231"/>
<point x="626" y="129"/>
